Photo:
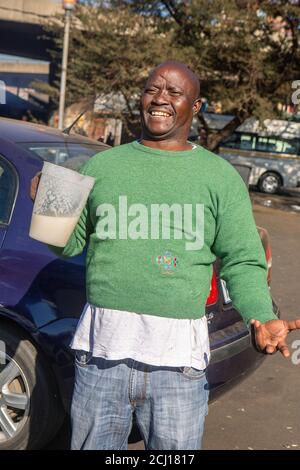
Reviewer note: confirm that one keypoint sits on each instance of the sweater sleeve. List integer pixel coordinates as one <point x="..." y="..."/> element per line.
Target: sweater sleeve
<point x="80" y="235"/>
<point x="243" y="262"/>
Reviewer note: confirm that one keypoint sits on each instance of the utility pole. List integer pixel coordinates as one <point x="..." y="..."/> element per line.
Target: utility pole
<point x="68" y="6"/>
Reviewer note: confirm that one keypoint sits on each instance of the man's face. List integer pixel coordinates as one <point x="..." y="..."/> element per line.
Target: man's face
<point x="168" y="103"/>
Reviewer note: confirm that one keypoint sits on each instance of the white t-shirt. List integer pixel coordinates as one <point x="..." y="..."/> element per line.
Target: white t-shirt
<point x="158" y="341"/>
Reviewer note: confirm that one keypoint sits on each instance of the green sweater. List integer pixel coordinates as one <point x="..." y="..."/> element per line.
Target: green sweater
<point x="152" y="259"/>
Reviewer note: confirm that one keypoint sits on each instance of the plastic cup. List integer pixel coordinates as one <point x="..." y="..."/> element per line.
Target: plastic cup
<point x="61" y="196"/>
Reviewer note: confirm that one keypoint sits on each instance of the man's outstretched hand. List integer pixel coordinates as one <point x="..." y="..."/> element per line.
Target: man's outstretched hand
<point x="34" y="185"/>
<point x="271" y="336"/>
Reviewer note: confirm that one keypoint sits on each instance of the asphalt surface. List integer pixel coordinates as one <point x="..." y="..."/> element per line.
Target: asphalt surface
<point x="263" y="412"/>
<point x="288" y="201"/>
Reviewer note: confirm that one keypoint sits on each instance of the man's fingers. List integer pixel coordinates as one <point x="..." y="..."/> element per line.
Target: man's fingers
<point x="259" y="339"/>
<point x="34" y="185"/>
<point x="293" y="324"/>
<point x="283" y="348"/>
<point x="255" y="323"/>
<point x="270" y="337"/>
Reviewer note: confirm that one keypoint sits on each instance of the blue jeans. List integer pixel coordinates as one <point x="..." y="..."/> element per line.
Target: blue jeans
<point x="170" y="404"/>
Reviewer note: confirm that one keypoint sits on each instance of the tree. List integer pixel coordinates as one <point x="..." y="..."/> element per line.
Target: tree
<point x="111" y="53"/>
<point x="246" y="53"/>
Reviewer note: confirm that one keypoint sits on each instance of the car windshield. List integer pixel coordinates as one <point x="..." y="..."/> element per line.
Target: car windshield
<point x="69" y="155"/>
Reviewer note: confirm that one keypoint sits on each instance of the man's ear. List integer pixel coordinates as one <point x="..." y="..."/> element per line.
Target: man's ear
<point x="197" y="106"/>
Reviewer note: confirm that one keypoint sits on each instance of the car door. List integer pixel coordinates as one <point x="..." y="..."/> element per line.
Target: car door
<point x="8" y="192"/>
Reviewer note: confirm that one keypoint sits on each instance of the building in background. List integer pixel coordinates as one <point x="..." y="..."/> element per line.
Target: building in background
<point x="24" y="56"/>
<point x="21" y="100"/>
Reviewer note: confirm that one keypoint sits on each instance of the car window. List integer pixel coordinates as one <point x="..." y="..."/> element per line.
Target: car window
<point x="290" y="146"/>
<point x="69" y="155"/>
<point x="8" y="188"/>
<point x="264" y="144"/>
<point x="239" y="140"/>
<point x="233" y="141"/>
<point x="247" y="142"/>
<point x="276" y="145"/>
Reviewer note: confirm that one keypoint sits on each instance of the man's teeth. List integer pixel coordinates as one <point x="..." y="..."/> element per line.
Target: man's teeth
<point x="159" y="113"/>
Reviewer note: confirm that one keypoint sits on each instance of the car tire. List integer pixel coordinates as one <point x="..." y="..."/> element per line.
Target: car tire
<point x="30" y="407"/>
<point x="269" y="182"/>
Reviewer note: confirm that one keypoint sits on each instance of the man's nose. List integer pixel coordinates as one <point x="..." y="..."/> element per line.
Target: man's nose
<point x="160" y="97"/>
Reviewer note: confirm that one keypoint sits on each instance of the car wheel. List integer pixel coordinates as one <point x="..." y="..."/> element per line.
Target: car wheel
<point x="269" y="183"/>
<point x="30" y="408"/>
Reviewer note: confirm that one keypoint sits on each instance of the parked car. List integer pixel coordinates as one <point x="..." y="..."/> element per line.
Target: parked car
<point x="42" y="297"/>
<point x="273" y="151"/>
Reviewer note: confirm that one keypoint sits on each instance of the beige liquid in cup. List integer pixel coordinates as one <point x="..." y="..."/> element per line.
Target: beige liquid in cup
<point x="52" y="230"/>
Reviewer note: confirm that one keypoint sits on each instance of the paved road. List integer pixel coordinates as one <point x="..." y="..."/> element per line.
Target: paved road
<point x="263" y="412"/>
<point x="287" y="200"/>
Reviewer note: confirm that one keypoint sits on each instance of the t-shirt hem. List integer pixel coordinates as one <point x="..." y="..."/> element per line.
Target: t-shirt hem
<point x="197" y="315"/>
<point x="184" y="362"/>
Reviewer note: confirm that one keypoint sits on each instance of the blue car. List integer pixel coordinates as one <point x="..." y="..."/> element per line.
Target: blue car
<point x="42" y="297"/>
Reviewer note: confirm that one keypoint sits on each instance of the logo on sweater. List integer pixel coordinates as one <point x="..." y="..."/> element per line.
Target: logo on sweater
<point x="167" y="262"/>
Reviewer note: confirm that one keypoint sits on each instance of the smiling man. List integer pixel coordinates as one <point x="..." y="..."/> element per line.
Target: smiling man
<point x="142" y="341"/>
<point x="168" y="104"/>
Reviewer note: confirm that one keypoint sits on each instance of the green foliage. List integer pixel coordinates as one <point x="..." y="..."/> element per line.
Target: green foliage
<point x="111" y="50"/>
<point x="245" y="52"/>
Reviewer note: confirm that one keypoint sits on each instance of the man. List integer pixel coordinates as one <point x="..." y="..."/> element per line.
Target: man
<point x="160" y="212"/>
